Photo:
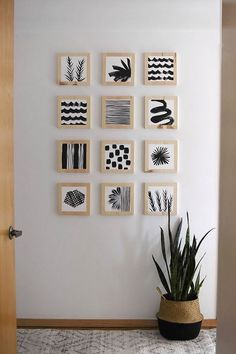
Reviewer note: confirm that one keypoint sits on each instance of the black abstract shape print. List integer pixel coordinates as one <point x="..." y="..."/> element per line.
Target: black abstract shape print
<point x="121" y="73"/>
<point x="117" y="157"/>
<point x="119" y="199"/>
<point x="160" y="69"/>
<point x="161" y="114"/>
<point x="74" y="198"/>
<point x="160" y="156"/>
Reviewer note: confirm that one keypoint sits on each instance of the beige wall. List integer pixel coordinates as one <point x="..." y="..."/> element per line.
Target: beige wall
<point x="226" y="339"/>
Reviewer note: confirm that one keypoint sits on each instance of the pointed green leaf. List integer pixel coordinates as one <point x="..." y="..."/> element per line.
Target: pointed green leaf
<point x="161" y="276"/>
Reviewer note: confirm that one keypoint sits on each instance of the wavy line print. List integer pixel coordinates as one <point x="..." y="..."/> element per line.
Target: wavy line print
<point x="70" y="122"/>
<point x="73" y="118"/>
<point x="161" y="60"/>
<point x="73" y="104"/>
<point x="165" y="78"/>
<point x="71" y="110"/>
<point x="159" y="66"/>
<point x="165" y="72"/>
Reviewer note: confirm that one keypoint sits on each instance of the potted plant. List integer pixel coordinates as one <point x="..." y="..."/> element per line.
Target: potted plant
<point x="179" y="317"/>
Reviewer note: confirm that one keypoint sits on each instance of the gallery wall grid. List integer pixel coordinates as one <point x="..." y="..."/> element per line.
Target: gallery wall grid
<point x="118" y="156"/>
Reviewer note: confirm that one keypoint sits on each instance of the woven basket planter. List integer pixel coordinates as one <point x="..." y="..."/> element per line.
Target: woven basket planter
<point x="179" y="320"/>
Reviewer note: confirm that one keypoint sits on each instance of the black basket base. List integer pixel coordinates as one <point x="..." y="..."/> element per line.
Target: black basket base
<point x="179" y="331"/>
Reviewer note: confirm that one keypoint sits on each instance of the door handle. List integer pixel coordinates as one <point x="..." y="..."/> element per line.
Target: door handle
<point x="14" y="233"/>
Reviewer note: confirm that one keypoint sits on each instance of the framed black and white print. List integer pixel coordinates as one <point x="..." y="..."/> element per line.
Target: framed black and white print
<point x="161" y="156"/>
<point x="74" y="156"/>
<point x="117" y="112"/>
<point x="161" y="112"/>
<point x="74" y="199"/>
<point x="160" y="69"/>
<point x="73" y="111"/>
<point x="74" y="69"/>
<point x="117" y="156"/>
<point x="117" y="199"/>
<point x="118" y="69"/>
<point x="157" y="198"/>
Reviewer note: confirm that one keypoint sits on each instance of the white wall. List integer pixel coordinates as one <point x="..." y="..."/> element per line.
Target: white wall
<point x="101" y="267"/>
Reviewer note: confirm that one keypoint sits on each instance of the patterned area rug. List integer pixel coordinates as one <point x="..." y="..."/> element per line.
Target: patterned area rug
<point x="52" y="341"/>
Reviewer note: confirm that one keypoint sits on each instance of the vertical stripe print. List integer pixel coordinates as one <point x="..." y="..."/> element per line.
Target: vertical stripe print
<point x="125" y="199"/>
<point x="74" y="156"/>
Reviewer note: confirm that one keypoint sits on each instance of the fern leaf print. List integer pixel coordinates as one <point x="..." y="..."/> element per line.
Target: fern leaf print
<point x="151" y="202"/>
<point x="69" y="70"/>
<point x="165" y="199"/>
<point x="170" y="202"/>
<point x="80" y="70"/>
<point x="158" y="199"/>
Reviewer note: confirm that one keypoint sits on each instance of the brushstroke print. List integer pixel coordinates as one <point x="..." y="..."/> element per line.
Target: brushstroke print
<point x="119" y="199"/>
<point x="74" y="112"/>
<point x="121" y="73"/>
<point x="160" y="114"/>
<point x="74" y="198"/>
<point x="160" y="68"/>
<point x="118" y="112"/>
<point x="160" y="156"/>
<point x="159" y="200"/>
<point x="74" y="156"/>
<point x="117" y="157"/>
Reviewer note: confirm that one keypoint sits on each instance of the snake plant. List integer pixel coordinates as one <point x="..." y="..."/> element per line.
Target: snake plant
<point x="182" y="281"/>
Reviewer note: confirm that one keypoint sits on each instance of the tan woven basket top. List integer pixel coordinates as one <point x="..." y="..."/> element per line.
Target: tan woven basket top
<point x="180" y="311"/>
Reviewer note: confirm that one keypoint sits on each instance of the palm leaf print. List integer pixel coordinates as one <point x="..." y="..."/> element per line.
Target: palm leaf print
<point x="121" y="73"/>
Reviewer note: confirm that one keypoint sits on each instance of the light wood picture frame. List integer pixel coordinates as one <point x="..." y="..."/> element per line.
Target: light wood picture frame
<point x="161" y="112"/>
<point x="73" y="69"/>
<point x="118" y="69"/>
<point x="117" y="156"/>
<point x="160" y="68"/>
<point x="74" y="199"/>
<point x="161" y="156"/>
<point x="157" y="197"/>
<point x="117" y="112"/>
<point x="74" y="112"/>
<point x="74" y="156"/>
<point x="117" y="199"/>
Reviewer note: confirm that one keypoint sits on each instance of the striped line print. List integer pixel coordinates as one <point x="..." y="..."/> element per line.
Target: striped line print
<point x="118" y="112"/>
<point x="120" y="198"/>
<point x="160" y="68"/>
<point x="74" y="156"/>
<point x="74" y="112"/>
